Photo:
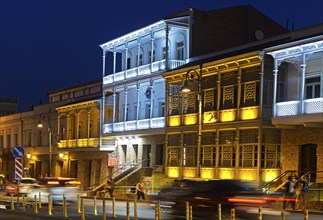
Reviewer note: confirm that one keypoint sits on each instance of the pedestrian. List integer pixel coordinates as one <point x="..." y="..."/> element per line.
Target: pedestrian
<point x="290" y="193"/>
<point x="109" y="186"/>
<point x="302" y="189"/>
<point x="140" y="188"/>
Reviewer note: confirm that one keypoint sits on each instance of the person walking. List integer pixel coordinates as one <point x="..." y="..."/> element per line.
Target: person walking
<point x="109" y="187"/>
<point x="290" y="193"/>
<point x="302" y="189"/>
<point x="140" y="188"/>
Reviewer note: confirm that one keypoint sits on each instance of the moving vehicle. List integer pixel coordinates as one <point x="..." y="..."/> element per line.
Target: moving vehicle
<point x="26" y="185"/>
<point x="57" y="187"/>
<point x="3" y="182"/>
<point x="204" y="197"/>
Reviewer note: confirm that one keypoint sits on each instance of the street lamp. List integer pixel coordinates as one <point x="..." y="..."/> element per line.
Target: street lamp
<point x="50" y="131"/>
<point x="190" y="75"/>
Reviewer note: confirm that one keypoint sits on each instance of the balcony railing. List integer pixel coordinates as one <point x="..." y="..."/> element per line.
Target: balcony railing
<point x="142" y="70"/>
<point x="291" y="108"/>
<point x="313" y="106"/>
<point x="134" y="125"/>
<point x="288" y="108"/>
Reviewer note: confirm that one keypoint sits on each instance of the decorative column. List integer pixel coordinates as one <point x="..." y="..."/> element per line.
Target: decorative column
<point x="218" y="85"/>
<point x="77" y="129"/>
<point x="166" y="55"/>
<point x="138" y="104"/>
<point x="114" y="108"/>
<point x="125" y="104"/>
<point x="126" y="59"/>
<point x="238" y="94"/>
<point x="103" y="63"/>
<point x="114" y="64"/>
<point x="151" y="99"/>
<point x="303" y="69"/>
<point x="88" y="123"/>
<point x="152" y="52"/>
<point x="59" y="126"/>
<point x="138" y="55"/>
<point x="275" y="71"/>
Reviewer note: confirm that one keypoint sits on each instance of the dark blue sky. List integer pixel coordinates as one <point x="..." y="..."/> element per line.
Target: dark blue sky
<point x="49" y="45"/>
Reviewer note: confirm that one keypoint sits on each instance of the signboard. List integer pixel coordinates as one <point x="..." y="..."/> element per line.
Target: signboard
<point x="18" y="152"/>
<point x="18" y="169"/>
<point x="112" y="159"/>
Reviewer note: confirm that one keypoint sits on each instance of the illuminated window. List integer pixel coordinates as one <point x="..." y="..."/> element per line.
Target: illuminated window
<point x="227" y="148"/>
<point x="173" y="150"/>
<point x="190" y="149"/>
<point x="208" y="149"/>
<point x="174" y="99"/>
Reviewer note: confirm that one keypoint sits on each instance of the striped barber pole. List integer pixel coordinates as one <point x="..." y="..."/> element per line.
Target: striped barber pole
<point x="18" y="169"/>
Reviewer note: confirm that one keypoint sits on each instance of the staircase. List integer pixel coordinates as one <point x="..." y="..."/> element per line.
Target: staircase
<point x="119" y="174"/>
<point x="275" y="184"/>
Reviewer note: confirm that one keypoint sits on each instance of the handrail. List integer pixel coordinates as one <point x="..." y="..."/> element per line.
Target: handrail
<point x="117" y="172"/>
<point x="276" y="180"/>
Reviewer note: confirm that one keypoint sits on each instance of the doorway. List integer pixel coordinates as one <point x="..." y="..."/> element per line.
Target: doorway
<point x="146" y="154"/>
<point x="308" y="160"/>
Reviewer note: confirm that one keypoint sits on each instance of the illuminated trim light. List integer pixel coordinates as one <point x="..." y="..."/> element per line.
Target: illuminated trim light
<point x="246" y="200"/>
<point x="53" y="182"/>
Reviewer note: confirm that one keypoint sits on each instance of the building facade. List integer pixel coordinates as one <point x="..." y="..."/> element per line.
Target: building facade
<point x="136" y="102"/>
<point x="298" y="101"/>
<point x="222" y="128"/>
<point x="67" y="144"/>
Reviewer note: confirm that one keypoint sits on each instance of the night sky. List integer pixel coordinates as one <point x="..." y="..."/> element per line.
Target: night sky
<point x="49" y="45"/>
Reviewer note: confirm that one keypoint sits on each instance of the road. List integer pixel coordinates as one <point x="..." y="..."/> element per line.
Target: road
<point x="145" y="211"/>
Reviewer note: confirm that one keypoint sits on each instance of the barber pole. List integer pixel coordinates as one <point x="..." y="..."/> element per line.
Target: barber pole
<point x="18" y="169"/>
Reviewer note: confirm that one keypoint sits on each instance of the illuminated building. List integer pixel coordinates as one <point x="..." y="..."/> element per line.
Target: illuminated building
<point x="298" y="100"/>
<point x="135" y="104"/>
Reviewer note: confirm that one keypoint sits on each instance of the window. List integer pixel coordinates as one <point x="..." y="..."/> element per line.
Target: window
<point x="1" y="141"/>
<point x="16" y="139"/>
<point x="180" y="51"/>
<point x="154" y="56"/>
<point x="190" y="149"/>
<point x="140" y="60"/>
<point x="135" y="111"/>
<point x="164" y="53"/>
<point x="270" y="156"/>
<point x="173" y="150"/>
<point x="174" y="96"/>
<point x="128" y="63"/>
<point x="161" y="109"/>
<point x="312" y="87"/>
<point x="147" y="110"/>
<point x="208" y="149"/>
<point x="27" y="138"/>
<point x="227" y="148"/>
<point x="8" y="141"/>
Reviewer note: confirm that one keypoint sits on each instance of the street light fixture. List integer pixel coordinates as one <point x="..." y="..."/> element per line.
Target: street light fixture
<point x="190" y="76"/>
<point x="50" y="131"/>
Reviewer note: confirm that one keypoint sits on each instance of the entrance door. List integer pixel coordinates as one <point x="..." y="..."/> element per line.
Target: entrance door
<point x="308" y="160"/>
<point x="87" y="173"/>
<point x="146" y="153"/>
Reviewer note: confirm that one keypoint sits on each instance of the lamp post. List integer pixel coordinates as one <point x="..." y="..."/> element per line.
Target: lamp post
<point x="190" y="76"/>
<point x="50" y="131"/>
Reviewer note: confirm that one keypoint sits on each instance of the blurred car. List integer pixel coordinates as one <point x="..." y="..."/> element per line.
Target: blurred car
<point x="57" y="187"/>
<point x="204" y="197"/>
<point x="26" y="185"/>
<point x="3" y="182"/>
